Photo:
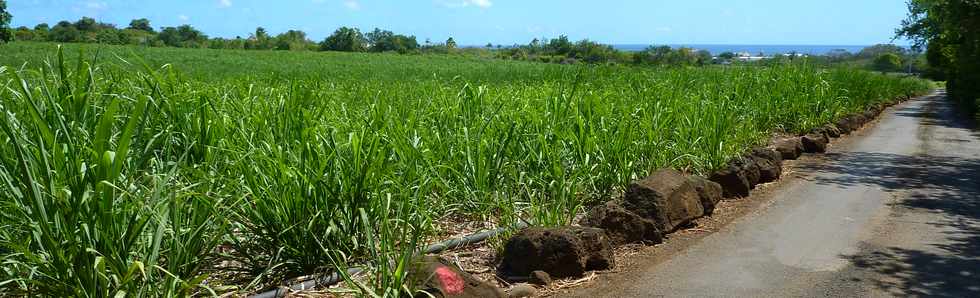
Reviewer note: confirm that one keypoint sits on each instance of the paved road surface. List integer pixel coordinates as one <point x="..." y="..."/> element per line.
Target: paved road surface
<point x="895" y="213"/>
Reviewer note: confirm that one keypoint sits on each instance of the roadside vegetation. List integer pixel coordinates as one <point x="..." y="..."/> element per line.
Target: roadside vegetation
<point x="949" y="30"/>
<point x="164" y="171"/>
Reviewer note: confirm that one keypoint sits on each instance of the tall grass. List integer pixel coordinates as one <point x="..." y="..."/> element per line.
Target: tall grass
<point x="143" y="176"/>
<point x="91" y="208"/>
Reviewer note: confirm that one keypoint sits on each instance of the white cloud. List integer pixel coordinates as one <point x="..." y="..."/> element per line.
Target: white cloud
<point x="481" y="3"/>
<point x="96" y="5"/>
<point x="352" y="5"/>
<point x="224" y="3"/>
<point x="467" y="3"/>
<point x="183" y="17"/>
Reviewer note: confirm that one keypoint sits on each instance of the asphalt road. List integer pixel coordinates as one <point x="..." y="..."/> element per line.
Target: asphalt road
<point x="892" y="211"/>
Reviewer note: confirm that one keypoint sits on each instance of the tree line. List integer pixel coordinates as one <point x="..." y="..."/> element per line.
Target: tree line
<point x="949" y="30"/>
<point x="563" y="50"/>
<point x="141" y="32"/>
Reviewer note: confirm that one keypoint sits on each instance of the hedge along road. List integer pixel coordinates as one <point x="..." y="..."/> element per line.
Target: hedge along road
<point x="892" y="211"/>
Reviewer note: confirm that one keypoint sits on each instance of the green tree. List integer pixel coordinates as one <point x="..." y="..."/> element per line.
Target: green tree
<point x="41" y="31"/>
<point x="182" y="36"/>
<point x="887" y="62"/>
<point x="345" y="39"/>
<point x="292" y="40"/>
<point x="65" y="31"/>
<point x="951" y="29"/>
<point x="877" y="50"/>
<point x="559" y="46"/>
<point x="5" y="33"/>
<point x="140" y="24"/>
<point x="86" y="24"/>
<point x="704" y="57"/>
<point x="23" y="34"/>
<point x="451" y="43"/>
<point x="387" y="41"/>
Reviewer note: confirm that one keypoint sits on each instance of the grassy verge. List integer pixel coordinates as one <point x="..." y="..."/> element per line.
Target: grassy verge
<point x="147" y="178"/>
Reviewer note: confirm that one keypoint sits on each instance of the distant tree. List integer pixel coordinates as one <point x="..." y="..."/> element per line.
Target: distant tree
<point x="182" y="36"/>
<point x="292" y="40"/>
<point x="191" y="37"/>
<point x="887" y="62"/>
<point x="704" y="57"/>
<point x="5" y="33"/>
<point x="451" y="43"/>
<point x="140" y="24"/>
<point x="386" y="41"/>
<point x="559" y="46"/>
<point x="169" y="36"/>
<point x="65" y="31"/>
<point x="591" y="52"/>
<point x="23" y="34"/>
<point x="879" y="49"/>
<point x="259" y="40"/>
<point x="345" y="39"/>
<point x="41" y="31"/>
<point x="86" y="24"/>
<point x="489" y="45"/>
<point x="727" y="55"/>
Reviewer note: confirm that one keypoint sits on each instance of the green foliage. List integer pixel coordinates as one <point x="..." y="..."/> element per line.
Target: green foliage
<point x="345" y="40"/>
<point x="387" y="41"/>
<point x="887" y="62"/>
<point x="875" y="51"/>
<point x="182" y="36"/>
<point x="665" y="55"/>
<point x="95" y="201"/>
<point x="141" y="24"/>
<point x="303" y="162"/>
<point x="451" y="43"/>
<point x="951" y="29"/>
<point x="6" y="35"/>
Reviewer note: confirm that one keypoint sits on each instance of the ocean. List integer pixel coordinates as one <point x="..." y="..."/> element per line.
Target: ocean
<point x="716" y="49"/>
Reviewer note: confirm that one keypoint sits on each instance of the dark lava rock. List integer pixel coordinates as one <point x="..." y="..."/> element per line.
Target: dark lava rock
<point x="845" y="125"/>
<point x="540" y="278"/>
<point x="752" y="171"/>
<point x="733" y="182"/>
<point x="814" y="143"/>
<point x="622" y="226"/>
<point x="831" y="131"/>
<point x="709" y="192"/>
<point x="522" y="291"/>
<point x="769" y="162"/>
<point x="666" y="197"/>
<point x="870" y="114"/>
<point x="440" y="278"/>
<point x="562" y="252"/>
<point x="789" y="148"/>
<point x="768" y="154"/>
<point x="859" y="120"/>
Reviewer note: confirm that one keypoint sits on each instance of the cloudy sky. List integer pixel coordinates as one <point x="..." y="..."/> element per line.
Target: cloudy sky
<point x="476" y="22"/>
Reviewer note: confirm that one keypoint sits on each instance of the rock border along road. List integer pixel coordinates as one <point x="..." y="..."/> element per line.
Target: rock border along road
<point x="892" y="211"/>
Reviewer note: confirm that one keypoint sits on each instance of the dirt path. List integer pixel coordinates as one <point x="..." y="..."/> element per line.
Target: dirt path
<point x="892" y="211"/>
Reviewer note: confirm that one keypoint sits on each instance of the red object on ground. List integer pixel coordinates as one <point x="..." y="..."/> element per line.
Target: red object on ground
<point x="452" y="283"/>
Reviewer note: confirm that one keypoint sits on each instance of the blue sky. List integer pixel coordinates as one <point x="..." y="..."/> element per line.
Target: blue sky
<point x="476" y="22"/>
